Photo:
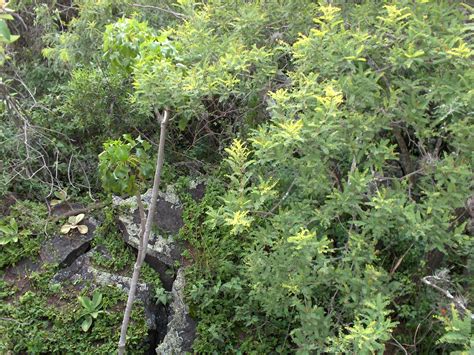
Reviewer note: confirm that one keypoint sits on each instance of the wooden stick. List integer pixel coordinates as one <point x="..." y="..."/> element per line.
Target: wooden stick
<point x="146" y="235"/>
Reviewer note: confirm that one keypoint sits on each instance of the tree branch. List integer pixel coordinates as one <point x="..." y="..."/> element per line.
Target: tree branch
<point x="431" y="281"/>
<point x="146" y="234"/>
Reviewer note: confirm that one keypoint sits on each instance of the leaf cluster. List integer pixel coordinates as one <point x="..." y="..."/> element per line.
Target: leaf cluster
<point x="91" y="309"/>
<point x="125" y="164"/>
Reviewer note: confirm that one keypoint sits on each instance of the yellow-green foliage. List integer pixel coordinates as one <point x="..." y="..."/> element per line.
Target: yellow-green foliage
<point x="368" y="157"/>
<point x="345" y="130"/>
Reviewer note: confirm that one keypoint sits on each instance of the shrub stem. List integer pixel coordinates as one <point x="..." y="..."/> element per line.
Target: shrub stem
<point x="143" y="243"/>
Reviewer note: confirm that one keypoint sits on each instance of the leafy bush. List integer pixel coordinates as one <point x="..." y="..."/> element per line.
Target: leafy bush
<point x="344" y="188"/>
<point x="458" y="331"/>
<point x="29" y="230"/>
<point x="339" y="200"/>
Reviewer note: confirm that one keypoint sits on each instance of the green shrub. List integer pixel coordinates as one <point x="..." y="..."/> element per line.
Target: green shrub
<point x="339" y="199"/>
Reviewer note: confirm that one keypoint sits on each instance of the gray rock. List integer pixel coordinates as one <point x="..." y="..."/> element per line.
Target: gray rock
<point x="64" y="249"/>
<point x="181" y="327"/>
<point x="162" y="252"/>
<point x="81" y="273"/>
<point x="167" y="223"/>
<point x="197" y="189"/>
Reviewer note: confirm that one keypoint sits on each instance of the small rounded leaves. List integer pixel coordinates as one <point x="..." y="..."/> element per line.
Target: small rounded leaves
<point x="66" y="229"/>
<point x="76" y="219"/>
<point x="82" y="228"/>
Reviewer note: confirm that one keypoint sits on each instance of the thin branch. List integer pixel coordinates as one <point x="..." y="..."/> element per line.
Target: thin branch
<point x="397" y="264"/>
<point x="283" y="198"/>
<point x="431" y="281"/>
<point x="145" y="234"/>
<point x="141" y="211"/>
<point x="405" y="158"/>
<point x="171" y="12"/>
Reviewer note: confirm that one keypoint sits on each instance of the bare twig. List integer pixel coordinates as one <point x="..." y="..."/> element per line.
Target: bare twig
<point x="400" y="346"/>
<point x="399" y="261"/>
<point x="458" y="302"/>
<point x="405" y="158"/>
<point x="145" y="234"/>
<point x="283" y="198"/>
<point x="141" y="211"/>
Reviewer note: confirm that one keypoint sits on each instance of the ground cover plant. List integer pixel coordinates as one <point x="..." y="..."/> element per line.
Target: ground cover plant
<point x="334" y="140"/>
<point x="40" y="316"/>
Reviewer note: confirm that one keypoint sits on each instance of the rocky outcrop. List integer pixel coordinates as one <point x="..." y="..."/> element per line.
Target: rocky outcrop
<point x="181" y="327"/>
<point x="167" y="223"/>
<point x="81" y="273"/>
<point x="64" y="249"/>
<point x="163" y="251"/>
<point x="171" y="326"/>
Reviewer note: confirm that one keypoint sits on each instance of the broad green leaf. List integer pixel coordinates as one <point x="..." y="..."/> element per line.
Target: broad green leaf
<point x="6" y="229"/>
<point x="86" y="323"/>
<point x="96" y="299"/>
<point x="4" y="31"/>
<point x="94" y="315"/>
<point x="85" y="302"/>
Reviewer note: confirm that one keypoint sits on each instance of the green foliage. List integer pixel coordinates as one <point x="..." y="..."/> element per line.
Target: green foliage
<point x="5" y="35"/>
<point x="61" y="197"/>
<point x="23" y="231"/>
<point x="124" y="165"/>
<point x="368" y="334"/>
<point x="53" y="326"/>
<point x="108" y="235"/>
<point x="315" y="232"/>
<point x="346" y="189"/>
<point x="175" y="73"/>
<point x="9" y="232"/>
<point x="458" y="331"/>
<point x="91" y="309"/>
<point x="151" y="278"/>
<point x="57" y="315"/>
<point x="123" y="40"/>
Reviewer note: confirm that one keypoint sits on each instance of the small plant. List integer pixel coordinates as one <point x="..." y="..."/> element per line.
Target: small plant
<point x="162" y="296"/>
<point x="62" y="196"/>
<point x="91" y="309"/>
<point x="124" y="165"/>
<point x="9" y="232"/>
<point x="73" y="223"/>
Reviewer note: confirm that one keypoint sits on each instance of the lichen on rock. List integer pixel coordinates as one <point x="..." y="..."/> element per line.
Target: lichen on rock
<point x="181" y="327"/>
